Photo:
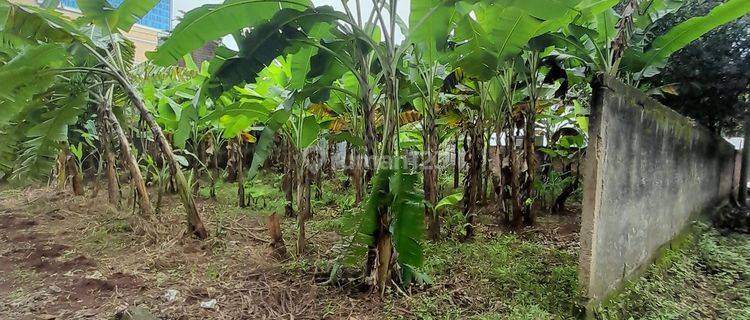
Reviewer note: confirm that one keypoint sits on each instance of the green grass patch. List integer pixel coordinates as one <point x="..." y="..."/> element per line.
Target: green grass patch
<point x="707" y="279"/>
<point x="508" y="277"/>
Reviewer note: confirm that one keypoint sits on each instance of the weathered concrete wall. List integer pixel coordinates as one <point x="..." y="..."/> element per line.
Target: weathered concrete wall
<point x="649" y="171"/>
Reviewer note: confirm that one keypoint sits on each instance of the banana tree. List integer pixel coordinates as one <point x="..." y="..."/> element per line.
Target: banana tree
<point x="234" y="115"/>
<point x="349" y="60"/>
<point x="427" y="74"/>
<point x="173" y="95"/>
<point x="346" y="122"/>
<point x="277" y="28"/>
<point x="268" y="103"/>
<point x="104" y="129"/>
<point x="298" y="121"/>
<point x="490" y="35"/>
<point x="303" y="129"/>
<point x="625" y="44"/>
<point x="38" y="109"/>
<point x="112" y="21"/>
<point x="110" y="123"/>
<point x="95" y="35"/>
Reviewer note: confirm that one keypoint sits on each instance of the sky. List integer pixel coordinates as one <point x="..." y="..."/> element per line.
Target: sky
<point x="180" y="6"/>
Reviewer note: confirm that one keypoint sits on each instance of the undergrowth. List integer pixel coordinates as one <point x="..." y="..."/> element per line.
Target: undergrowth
<point x="508" y="278"/>
<point x="501" y="278"/>
<point x="494" y="277"/>
<point x="707" y="279"/>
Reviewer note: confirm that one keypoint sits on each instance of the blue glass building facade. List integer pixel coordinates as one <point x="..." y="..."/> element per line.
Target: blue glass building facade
<point x="160" y="17"/>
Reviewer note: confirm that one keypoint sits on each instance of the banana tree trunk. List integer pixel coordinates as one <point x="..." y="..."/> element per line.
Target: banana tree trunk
<point x="529" y="214"/>
<point x="380" y="253"/>
<point x="212" y="152"/>
<point x="368" y="106"/>
<point x="238" y="158"/>
<point x="357" y="177"/>
<point x="331" y="152"/>
<point x="503" y="192"/>
<point x="487" y="169"/>
<point x="430" y="178"/>
<point x="456" y="179"/>
<point x="214" y="174"/>
<point x="135" y="171"/>
<point x="95" y="163"/>
<point x="289" y="193"/>
<point x="304" y="176"/>
<point x="61" y="167"/>
<point x="232" y="162"/>
<point x="472" y="180"/>
<point x="499" y="184"/>
<point x="515" y="181"/>
<point x="194" y="221"/>
<point x="319" y="185"/>
<point x="318" y="173"/>
<point x="348" y="157"/>
<point x="74" y="171"/>
<point x="384" y="253"/>
<point x="287" y="182"/>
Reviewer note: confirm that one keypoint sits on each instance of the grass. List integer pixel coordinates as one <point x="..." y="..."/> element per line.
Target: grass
<point x="707" y="279"/>
<point x="502" y="278"/>
<point x="109" y="235"/>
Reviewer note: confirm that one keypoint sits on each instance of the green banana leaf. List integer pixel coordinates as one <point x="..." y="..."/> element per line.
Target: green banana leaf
<point x="407" y="226"/>
<point x="266" y="42"/>
<point x="692" y="29"/>
<point x="102" y="14"/>
<point x="33" y="25"/>
<point x="213" y="21"/>
<point x="24" y="77"/>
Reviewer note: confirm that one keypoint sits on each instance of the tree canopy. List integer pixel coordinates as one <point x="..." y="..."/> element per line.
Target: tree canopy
<point x="708" y="80"/>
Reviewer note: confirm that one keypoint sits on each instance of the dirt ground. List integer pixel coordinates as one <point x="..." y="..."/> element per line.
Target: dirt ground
<point x="65" y="257"/>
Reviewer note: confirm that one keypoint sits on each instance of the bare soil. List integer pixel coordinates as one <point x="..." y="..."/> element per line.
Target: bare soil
<point x="66" y="257"/>
<point x="44" y="276"/>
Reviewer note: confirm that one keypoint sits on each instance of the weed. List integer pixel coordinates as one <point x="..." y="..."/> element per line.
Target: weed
<point x="550" y="187"/>
<point x="108" y="236"/>
<point x="510" y="272"/>
<point x="16" y="295"/>
<point x="212" y="272"/>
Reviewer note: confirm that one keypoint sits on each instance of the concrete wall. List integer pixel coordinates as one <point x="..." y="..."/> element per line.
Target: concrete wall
<point x="649" y="171"/>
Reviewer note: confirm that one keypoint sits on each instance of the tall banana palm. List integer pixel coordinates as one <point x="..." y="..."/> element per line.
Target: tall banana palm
<point x="278" y="28"/>
<point x="95" y="36"/>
